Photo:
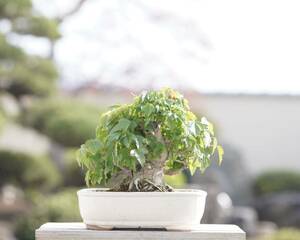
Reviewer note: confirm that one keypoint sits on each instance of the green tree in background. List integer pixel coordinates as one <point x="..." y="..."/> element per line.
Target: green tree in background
<point x="22" y="73"/>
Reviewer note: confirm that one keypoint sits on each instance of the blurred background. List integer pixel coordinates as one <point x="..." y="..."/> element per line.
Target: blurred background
<point x="63" y="62"/>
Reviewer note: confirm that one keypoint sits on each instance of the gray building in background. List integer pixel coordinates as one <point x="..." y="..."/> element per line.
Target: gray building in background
<point x="264" y="129"/>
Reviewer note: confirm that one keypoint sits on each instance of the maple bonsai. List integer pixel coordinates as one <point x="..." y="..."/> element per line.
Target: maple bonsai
<point x="137" y="143"/>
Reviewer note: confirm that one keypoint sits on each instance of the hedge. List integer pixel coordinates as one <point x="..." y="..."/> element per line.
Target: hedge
<point x="283" y="234"/>
<point x="59" y="207"/>
<point x="277" y="181"/>
<point x="65" y="120"/>
<point x="27" y="171"/>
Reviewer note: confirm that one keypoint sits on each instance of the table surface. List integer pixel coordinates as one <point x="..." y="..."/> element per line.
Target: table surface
<point x="78" y="231"/>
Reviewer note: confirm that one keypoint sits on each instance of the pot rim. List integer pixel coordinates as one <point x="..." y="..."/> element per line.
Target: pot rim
<point x="102" y="192"/>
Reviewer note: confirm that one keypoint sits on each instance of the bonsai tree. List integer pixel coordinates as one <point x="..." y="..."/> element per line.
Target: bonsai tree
<point x="137" y="143"/>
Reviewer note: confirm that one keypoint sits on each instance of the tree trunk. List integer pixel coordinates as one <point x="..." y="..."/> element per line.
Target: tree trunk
<point x="149" y="178"/>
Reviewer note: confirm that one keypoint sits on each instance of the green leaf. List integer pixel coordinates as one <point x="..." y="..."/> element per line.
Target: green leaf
<point x="113" y="137"/>
<point x="148" y="109"/>
<point x="193" y="166"/>
<point x="139" y="141"/>
<point x="138" y="155"/>
<point x="93" y="145"/>
<point x="126" y="142"/>
<point x="143" y="95"/>
<point x="220" y="153"/>
<point x="123" y="125"/>
<point x="88" y="177"/>
<point x="81" y="155"/>
<point x="192" y="127"/>
<point x="114" y="106"/>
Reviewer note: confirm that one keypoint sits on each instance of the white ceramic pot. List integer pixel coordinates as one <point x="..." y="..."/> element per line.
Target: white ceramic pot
<point x="181" y="209"/>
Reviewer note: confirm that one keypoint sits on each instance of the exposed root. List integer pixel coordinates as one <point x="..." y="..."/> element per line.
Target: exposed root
<point x="144" y="185"/>
<point x="148" y="179"/>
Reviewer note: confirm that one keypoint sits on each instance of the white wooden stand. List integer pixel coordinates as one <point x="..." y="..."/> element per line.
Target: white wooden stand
<point x="78" y="231"/>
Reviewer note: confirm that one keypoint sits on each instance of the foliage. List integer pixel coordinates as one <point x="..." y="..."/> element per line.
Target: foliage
<point x="28" y="171"/>
<point x="136" y="141"/>
<point x="61" y="121"/>
<point x="71" y="128"/>
<point x="34" y="75"/>
<point x="41" y="111"/>
<point x="23" y="73"/>
<point x="37" y="26"/>
<point x="59" y="207"/>
<point x="277" y="181"/>
<point x="283" y="234"/>
<point x="15" y="8"/>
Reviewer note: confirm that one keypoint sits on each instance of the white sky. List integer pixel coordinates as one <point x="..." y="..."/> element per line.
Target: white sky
<point x="255" y="45"/>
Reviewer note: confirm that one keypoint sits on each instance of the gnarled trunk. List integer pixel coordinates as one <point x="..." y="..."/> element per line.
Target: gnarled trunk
<point x="149" y="178"/>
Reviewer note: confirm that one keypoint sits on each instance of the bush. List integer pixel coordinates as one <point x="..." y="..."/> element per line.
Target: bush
<point x="66" y="121"/>
<point x="59" y="207"/>
<point x="283" y="234"/>
<point x="71" y="128"/>
<point x="277" y="181"/>
<point x="33" y="76"/>
<point x="28" y="171"/>
<point x="73" y="174"/>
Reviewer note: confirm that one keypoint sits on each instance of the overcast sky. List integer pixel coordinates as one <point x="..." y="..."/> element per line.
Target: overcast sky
<point x="209" y="45"/>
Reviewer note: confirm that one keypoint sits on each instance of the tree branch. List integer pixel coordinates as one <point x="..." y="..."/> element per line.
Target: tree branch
<point x="74" y="10"/>
<point x="62" y="18"/>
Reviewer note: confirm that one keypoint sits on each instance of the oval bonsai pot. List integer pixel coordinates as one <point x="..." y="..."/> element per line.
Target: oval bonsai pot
<point x="181" y="209"/>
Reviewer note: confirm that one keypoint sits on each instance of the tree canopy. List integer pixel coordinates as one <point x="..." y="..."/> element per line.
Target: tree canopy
<point x="20" y="72"/>
<point x="157" y="134"/>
